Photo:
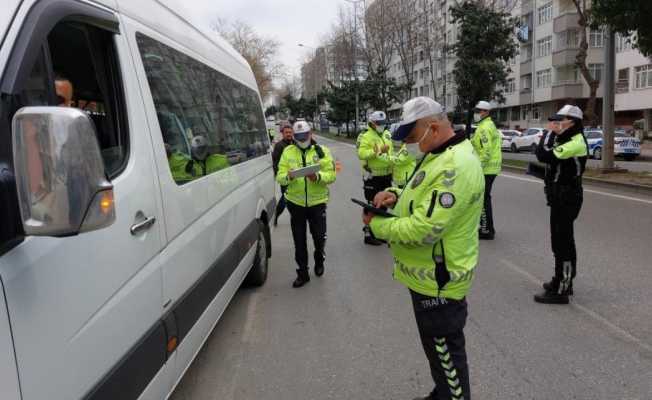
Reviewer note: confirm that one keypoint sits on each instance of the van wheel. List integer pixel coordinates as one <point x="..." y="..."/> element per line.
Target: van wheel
<point x="514" y="148"/>
<point x="258" y="273"/>
<point x="533" y="148"/>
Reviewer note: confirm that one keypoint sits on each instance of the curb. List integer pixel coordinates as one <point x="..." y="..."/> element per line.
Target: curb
<point x="596" y="181"/>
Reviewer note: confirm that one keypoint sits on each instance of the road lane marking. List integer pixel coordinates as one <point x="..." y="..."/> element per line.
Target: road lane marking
<point x="623" y="334"/>
<point x="618" y="196"/>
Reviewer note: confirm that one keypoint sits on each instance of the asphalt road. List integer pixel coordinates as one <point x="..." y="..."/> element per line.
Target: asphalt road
<point x="640" y="165"/>
<point x="351" y="334"/>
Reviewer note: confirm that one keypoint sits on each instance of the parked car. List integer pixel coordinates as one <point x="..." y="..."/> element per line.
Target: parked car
<point x="627" y="146"/>
<point x="118" y="252"/>
<point x="508" y="135"/>
<point x="528" y="140"/>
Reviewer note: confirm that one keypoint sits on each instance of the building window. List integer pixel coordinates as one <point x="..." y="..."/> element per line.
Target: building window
<point x="545" y="13"/>
<point x="544" y="78"/>
<point x="622" y="84"/>
<point x="536" y="113"/>
<point x="510" y="87"/>
<point x="596" y="71"/>
<point x="525" y="112"/>
<point x="623" y="43"/>
<point x="569" y="39"/>
<point x="643" y="76"/>
<point x="526" y="83"/>
<point x="526" y="53"/>
<point x="544" y="46"/>
<point x="596" y="38"/>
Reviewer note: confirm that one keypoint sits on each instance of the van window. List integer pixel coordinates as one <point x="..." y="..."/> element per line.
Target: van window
<point x="208" y="121"/>
<point x="85" y="66"/>
<point x="83" y="59"/>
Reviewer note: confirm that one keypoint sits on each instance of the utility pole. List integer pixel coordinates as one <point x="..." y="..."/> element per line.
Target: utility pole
<point x="608" y="101"/>
<point x="354" y="62"/>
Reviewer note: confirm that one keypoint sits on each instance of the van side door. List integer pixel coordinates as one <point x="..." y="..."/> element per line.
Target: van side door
<point x="85" y="310"/>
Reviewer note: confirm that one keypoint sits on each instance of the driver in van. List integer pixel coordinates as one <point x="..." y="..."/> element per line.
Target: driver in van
<point x="65" y="91"/>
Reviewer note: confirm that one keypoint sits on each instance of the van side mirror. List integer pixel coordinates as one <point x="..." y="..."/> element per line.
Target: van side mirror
<point x="62" y="187"/>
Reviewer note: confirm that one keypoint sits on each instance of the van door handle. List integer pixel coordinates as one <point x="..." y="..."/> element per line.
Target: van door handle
<point x="142" y="226"/>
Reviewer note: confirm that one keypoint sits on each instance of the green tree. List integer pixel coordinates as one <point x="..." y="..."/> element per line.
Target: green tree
<point x="271" y="110"/>
<point x="485" y="45"/>
<point x="342" y="103"/>
<point x="627" y="17"/>
<point x="380" y="92"/>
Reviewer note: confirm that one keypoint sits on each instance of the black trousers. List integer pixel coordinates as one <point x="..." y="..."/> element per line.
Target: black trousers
<point x="441" y="327"/>
<point x="315" y="217"/>
<point x="373" y="186"/>
<point x="376" y="184"/>
<point x="280" y="206"/>
<point x="565" y="205"/>
<point x="487" y="217"/>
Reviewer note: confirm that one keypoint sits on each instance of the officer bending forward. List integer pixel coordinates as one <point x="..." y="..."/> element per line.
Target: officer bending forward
<point x="434" y="238"/>
<point x="306" y="197"/>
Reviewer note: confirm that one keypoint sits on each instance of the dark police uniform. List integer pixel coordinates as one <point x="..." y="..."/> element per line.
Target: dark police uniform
<point x="565" y="158"/>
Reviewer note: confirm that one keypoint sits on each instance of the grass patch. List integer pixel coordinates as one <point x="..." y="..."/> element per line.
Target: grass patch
<point x="638" y="178"/>
<point x="334" y="136"/>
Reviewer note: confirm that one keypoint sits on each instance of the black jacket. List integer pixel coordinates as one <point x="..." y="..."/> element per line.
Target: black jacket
<point x="561" y="172"/>
<point x="278" y="151"/>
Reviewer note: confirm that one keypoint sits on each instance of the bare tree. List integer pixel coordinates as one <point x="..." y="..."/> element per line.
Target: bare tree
<point x="405" y="38"/>
<point x="260" y="52"/>
<point x="345" y="44"/>
<point x="584" y="22"/>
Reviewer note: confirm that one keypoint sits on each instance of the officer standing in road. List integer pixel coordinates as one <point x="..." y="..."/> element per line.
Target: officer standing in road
<point x="375" y="154"/>
<point x="434" y="238"/>
<point x="287" y="139"/>
<point x="564" y="151"/>
<point x="487" y="144"/>
<point x="306" y="197"/>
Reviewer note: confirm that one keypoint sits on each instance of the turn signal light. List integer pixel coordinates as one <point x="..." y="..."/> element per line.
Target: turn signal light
<point x="172" y="344"/>
<point x="106" y="202"/>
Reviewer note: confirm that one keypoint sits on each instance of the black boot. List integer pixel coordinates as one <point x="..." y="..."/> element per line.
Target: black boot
<point x="319" y="269"/>
<point x="553" y="294"/>
<point x="302" y="278"/>
<point x="486" y="235"/>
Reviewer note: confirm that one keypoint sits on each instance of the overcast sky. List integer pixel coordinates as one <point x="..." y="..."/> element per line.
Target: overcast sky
<point x="289" y="21"/>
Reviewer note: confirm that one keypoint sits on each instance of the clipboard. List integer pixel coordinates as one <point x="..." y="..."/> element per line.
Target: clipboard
<point x="305" y="171"/>
<point x="368" y="208"/>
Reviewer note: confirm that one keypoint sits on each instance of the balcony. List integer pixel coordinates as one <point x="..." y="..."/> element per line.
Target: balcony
<point x="526" y="67"/>
<point x="622" y="86"/>
<point x="527" y="6"/>
<point x="565" y="22"/>
<point x="567" y="89"/>
<point x="525" y="96"/>
<point x="564" y="57"/>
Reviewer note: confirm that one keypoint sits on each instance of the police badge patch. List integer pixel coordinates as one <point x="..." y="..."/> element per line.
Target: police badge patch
<point x="447" y="200"/>
<point x="418" y="178"/>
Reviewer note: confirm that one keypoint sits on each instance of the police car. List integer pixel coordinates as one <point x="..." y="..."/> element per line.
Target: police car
<point x="624" y="145"/>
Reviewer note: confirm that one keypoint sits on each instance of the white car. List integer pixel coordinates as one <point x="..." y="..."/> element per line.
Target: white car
<point x="127" y="224"/>
<point x="628" y="147"/>
<point x="528" y="140"/>
<point x="507" y="137"/>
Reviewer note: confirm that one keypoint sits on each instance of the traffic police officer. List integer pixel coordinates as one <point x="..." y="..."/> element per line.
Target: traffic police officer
<point x="434" y="238"/>
<point x="375" y="154"/>
<point x="306" y="197"/>
<point x="564" y="151"/>
<point x="487" y="142"/>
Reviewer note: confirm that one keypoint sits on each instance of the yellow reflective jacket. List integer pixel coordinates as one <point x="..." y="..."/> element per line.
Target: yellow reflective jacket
<point x="434" y="238"/>
<point x="302" y="191"/>
<point x="487" y="142"/>
<point x="372" y="160"/>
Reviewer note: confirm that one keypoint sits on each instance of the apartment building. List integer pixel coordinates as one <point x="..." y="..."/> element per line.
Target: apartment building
<point x="544" y="75"/>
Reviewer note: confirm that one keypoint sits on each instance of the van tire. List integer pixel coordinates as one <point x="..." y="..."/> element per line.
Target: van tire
<point x="514" y="148"/>
<point x="258" y="273"/>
